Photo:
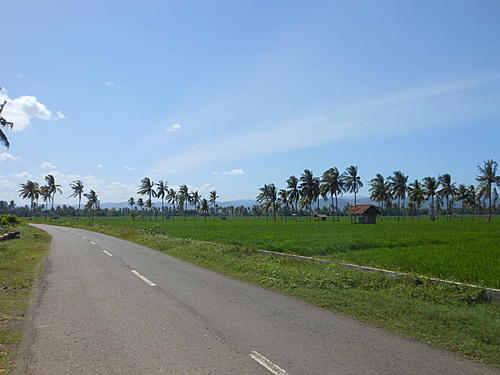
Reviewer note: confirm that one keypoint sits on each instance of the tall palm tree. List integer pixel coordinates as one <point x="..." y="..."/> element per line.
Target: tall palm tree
<point x="333" y="184"/>
<point x="471" y="199"/>
<point x="172" y="199"/>
<point x="416" y="194"/>
<point x="5" y="124"/>
<point x="77" y="187"/>
<point x="268" y="196"/>
<point x="293" y="189"/>
<point x="147" y="188"/>
<point x="46" y="194"/>
<point x="204" y="208"/>
<point x="378" y="189"/>
<point x="487" y="179"/>
<point x="29" y="190"/>
<point x="447" y="191"/>
<point x="161" y="192"/>
<point x="213" y="199"/>
<point x="310" y="189"/>
<point x="461" y="195"/>
<point x="431" y="186"/>
<point x="398" y="183"/>
<point x="53" y="188"/>
<point x="352" y="181"/>
<point x="195" y="199"/>
<point x="140" y="204"/>
<point x="92" y="202"/>
<point x="184" y="198"/>
<point x="131" y="203"/>
<point x="284" y="199"/>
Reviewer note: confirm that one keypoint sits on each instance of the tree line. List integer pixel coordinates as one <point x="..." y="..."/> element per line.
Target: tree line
<point x="390" y="193"/>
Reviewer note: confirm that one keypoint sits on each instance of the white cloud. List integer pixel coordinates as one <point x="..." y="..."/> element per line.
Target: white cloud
<point x="7" y="156"/>
<point x="23" y="175"/>
<point x="174" y="128"/>
<point x="48" y="165"/>
<point x="60" y="115"/>
<point x="22" y="110"/>
<point x="234" y="172"/>
<point x="128" y="168"/>
<point x="109" y="83"/>
<point x="100" y="166"/>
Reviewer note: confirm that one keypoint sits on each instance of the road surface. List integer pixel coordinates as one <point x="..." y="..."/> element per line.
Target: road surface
<point x="108" y="306"/>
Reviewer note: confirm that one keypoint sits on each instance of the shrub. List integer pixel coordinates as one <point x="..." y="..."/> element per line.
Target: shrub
<point x="8" y="220"/>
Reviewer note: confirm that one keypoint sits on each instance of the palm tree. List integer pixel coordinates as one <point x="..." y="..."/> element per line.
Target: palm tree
<point x="161" y="192"/>
<point x="268" y="196"/>
<point x="53" y="188"/>
<point x="172" y="199"/>
<point x="448" y="190"/>
<point x="471" y="199"/>
<point x="46" y="195"/>
<point x="196" y="200"/>
<point x="352" y="181"/>
<point x="378" y="189"/>
<point x="30" y="191"/>
<point x="77" y="187"/>
<point x="398" y="183"/>
<point x="140" y="204"/>
<point x="149" y="205"/>
<point x="416" y="194"/>
<point x="147" y="188"/>
<point x="131" y="203"/>
<point x="92" y="202"/>
<point x="310" y="189"/>
<point x="487" y="180"/>
<point x="183" y="198"/>
<point x="461" y="195"/>
<point x="213" y="199"/>
<point x="293" y="190"/>
<point x="333" y="184"/>
<point x="5" y="124"/>
<point x="284" y="199"/>
<point x="204" y="208"/>
<point x="430" y="191"/>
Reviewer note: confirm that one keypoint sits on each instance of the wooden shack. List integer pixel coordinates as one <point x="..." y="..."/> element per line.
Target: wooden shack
<point x="363" y="214"/>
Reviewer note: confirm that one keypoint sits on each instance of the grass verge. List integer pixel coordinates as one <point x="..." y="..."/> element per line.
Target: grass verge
<point x="452" y="317"/>
<point x="21" y="261"/>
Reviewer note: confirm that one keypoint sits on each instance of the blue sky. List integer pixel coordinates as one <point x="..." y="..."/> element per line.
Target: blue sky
<point x="230" y="95"/>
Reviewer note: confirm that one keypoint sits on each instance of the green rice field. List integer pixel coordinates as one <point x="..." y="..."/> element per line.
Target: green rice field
<point x="464" y="251"/>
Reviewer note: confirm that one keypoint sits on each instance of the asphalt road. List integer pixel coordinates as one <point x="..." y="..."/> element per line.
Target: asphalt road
<point x="108" y="306"/>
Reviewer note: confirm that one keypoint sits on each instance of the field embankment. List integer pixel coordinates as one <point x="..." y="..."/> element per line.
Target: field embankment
<point x="21" y="261"/>
<point x="465" y="251"/>
<point x="456" y="318"/>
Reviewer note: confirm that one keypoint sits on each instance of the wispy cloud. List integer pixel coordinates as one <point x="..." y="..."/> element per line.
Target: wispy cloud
<point x="23" y="175"/>
<point x="48" y="165"/>
<point x="109" y="83"/>
<point x="174" y="128"/>
<point x="7" y="156"/>
<point x="377" y="116"/>
<point x="232" y="172"/>
<point x="126" y="167"/>
<point x="100" y="166"/>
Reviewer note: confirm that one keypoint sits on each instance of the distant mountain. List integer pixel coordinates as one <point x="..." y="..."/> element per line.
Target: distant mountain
<point x="250" y="202"/>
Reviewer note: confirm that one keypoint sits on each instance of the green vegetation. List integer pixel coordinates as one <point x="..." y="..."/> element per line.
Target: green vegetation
<point x="21" y="260"/>
<point x="455" y="318"/>
<point x="450" y="249"/>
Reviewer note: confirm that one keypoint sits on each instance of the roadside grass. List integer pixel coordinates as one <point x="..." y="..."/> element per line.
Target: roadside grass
<point x="453" y="317"/>
<point x="21" y="261"/>
<point x="457" y="250"/>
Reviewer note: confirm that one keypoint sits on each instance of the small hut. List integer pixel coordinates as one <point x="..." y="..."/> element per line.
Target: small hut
<point x="363" y="214"/>
<point x="321" y="217"/>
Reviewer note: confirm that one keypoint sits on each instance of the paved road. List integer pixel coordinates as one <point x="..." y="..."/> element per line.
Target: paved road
<point x="108" y="306"/>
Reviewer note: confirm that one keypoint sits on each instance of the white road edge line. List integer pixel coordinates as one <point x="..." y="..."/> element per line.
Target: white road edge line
<point x="263" y="361"/>
<point x="92" y="243"/>
<point x="107" y="253"/>
<point x="146" y="280"/>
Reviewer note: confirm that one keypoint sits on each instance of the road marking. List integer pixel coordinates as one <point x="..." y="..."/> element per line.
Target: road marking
<point x="147" y="281"/>
<point x="92" y="243"/>
<point x="263" y="361"/>
<point x="107" y="253"/>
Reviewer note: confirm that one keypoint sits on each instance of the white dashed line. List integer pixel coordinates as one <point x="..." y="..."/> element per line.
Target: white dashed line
<point x="107" y="253"/>
<point x="92" y="243"/>
<point x="263" y="361"/>
<point x="147" y="281"/>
